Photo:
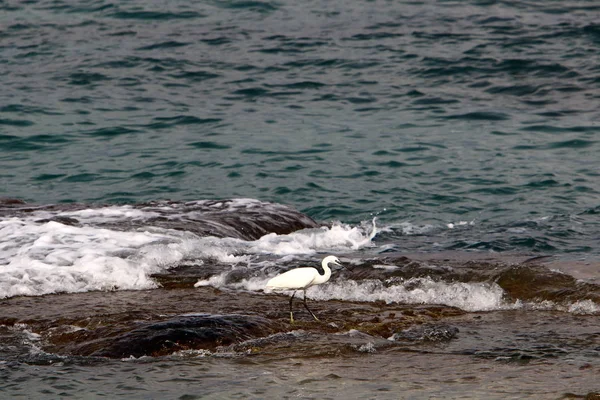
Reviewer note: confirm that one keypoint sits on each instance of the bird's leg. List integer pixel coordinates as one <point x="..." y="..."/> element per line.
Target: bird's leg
<point x="291" y="313"/>
<point x="306" y="306"/>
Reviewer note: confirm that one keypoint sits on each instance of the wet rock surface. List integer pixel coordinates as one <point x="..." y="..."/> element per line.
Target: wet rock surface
<point x="427" y="333"/>
<point x="179" y="318"/>
<point x="177" y="334"/>
<point x="235" y="218"/>
<point x="154" y="323"/>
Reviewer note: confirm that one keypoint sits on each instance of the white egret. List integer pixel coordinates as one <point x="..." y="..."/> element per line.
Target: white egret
<point x="302" y="279"/>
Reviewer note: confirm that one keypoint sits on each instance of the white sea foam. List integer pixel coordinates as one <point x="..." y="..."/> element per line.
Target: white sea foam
<point x="47" y="257"/>
<point x="51" y="257"/>
<point x="408" y="228"/>
<point x="231" y="205"/>
<point x="38" y="258"/>
<point x="472" y="297"/>
<point x="385" y="267"/>
<point x="453" y="225"/>
<point x="339" y="237"/>
<point x="584" y="307"/>
<point x="579" y="307"/>
<point x="466" y="296"/>
<point x="222" y="280"/>
<point x="109" y="214"/>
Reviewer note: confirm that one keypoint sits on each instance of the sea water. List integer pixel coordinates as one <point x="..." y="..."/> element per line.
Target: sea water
<point x="400" y="127"/>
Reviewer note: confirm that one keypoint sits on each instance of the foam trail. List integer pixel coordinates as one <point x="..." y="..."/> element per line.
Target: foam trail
<point x="38" y="257"/>
<point x="580" y="307"/>
<point x="52" y="257"/>
<point x="338" y="237"/>
<point x="466" y="296"/>
<point x="471" y="297"/>
<point x="584" y="307"/>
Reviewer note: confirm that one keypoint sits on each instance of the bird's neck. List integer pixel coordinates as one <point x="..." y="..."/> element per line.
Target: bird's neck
<point x="325" y="277"/>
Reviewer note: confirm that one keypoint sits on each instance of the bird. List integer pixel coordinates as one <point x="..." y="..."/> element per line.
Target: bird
<point x="302" y="279"/>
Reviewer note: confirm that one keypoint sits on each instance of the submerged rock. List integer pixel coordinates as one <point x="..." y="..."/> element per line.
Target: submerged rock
<point x="246" y="219"/>
<point x="426" y="334"/>
<point x="200" y="331"/>
<point x="537" y="282"/>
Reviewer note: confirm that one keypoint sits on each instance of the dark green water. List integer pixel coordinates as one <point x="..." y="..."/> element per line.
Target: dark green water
<point x="460" y="125"/>
<point x="429" y="112"/>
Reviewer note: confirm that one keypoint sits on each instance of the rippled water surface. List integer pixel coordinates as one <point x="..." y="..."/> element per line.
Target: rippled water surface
<point x="430" y="111"/>
<point x="467" y="128"/>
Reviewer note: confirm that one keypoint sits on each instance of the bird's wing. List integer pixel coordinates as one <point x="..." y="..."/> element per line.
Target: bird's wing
<point x="298" y="278"/>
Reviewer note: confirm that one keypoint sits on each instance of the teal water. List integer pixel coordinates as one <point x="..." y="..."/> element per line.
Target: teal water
<point x="430" y="113"/>
<point x="433" y="113"/>
<point x="461" y="125"/>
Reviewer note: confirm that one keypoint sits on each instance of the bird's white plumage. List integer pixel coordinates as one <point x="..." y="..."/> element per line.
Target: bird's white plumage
<point x="302" y="279"/>
<point x="299" y="278"/>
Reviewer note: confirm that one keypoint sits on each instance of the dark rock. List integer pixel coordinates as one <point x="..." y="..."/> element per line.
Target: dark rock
<point x="242" y="219"/>
<point x="229" y="218"/>
<point x="202" y="331"/>
<point x="63" y="220"/>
